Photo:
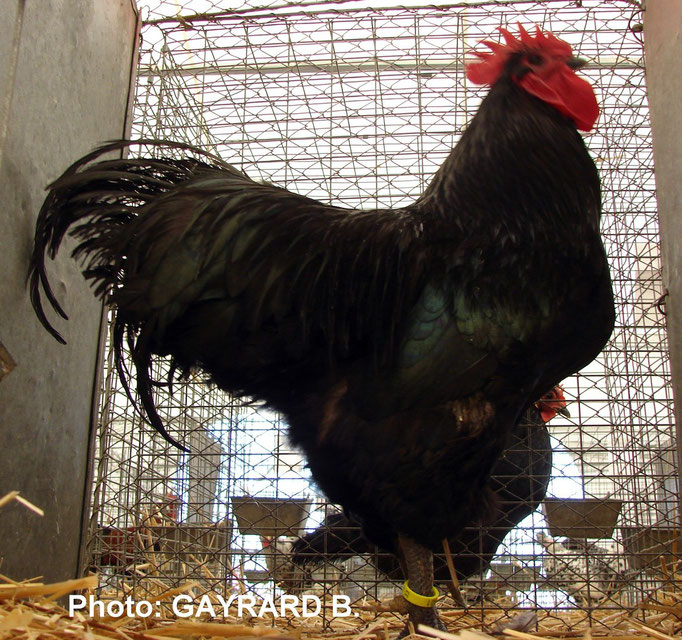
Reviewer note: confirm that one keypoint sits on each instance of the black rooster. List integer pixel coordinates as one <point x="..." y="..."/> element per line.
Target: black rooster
<point x="519" y="482"/>
<point x="401" y="345"/>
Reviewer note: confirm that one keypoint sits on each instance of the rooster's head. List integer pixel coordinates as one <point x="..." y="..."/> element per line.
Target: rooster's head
<point x="545" y="67"/>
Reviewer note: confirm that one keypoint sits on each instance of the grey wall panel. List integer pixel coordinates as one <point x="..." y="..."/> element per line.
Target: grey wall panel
<point x="66" y="85"/>
<point x="663" y="40"/>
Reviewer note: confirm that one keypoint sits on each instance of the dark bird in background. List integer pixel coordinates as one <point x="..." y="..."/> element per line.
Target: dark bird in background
<point x="402" y="346"/>
<point x="518" y="482"/>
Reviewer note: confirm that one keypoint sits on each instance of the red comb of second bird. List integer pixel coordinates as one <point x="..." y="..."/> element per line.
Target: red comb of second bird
<point x="491" y="64"/>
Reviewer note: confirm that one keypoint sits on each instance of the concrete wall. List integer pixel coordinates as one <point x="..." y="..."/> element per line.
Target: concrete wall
<point x="65" y="68"/>
<point x="663" y="40"/>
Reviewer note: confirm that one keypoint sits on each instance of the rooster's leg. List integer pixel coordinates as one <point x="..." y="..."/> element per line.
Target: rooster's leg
<point x="418" y="562"/>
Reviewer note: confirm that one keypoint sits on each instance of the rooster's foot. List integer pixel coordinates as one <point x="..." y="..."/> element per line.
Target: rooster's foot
<point x="422" y="615"/>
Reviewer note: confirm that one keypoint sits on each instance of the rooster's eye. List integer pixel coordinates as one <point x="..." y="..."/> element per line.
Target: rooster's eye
<point x="535" y="60"/>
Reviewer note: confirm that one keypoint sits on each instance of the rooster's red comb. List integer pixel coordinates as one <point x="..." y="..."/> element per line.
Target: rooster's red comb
<point x="492" y="64"/>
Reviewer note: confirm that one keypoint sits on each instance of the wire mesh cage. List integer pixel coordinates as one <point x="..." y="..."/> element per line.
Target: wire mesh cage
<point x="359" y="107"/>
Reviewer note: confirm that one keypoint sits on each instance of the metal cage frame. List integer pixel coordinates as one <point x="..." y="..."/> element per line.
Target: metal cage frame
<point x="359" y="106"/>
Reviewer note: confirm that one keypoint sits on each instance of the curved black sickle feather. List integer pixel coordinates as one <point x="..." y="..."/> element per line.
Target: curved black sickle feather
<point x="141" y="358"/>
<point x="54" y="220"/>
<point x="50" y="228"/>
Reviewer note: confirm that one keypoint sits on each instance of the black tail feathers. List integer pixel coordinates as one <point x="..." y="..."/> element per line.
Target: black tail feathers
<point x="95" y="203"/>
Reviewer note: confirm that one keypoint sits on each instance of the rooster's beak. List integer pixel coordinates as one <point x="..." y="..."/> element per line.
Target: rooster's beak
<point x="576" y="63"/>
<point x="564" y="412"/>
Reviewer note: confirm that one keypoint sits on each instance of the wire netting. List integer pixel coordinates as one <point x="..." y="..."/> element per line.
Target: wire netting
<point x="359" y="106"/>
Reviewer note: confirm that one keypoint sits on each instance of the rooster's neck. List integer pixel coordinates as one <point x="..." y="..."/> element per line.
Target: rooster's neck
<point x="521" y="164"/>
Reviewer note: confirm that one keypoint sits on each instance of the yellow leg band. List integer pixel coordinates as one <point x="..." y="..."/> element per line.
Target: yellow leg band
<point x="419" y="600"/>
